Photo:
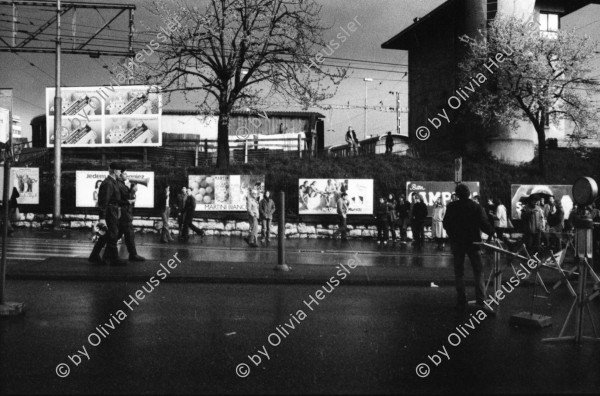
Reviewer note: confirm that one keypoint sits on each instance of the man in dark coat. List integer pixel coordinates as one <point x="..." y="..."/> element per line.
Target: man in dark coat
<point x="389" y="143"/>
<point x="464" y="221"/>
<point x="417" y="220"/>
<point x="109" y="205"/>
<point x="180" y="204"/>
<point x="128" y="196"/>
<point x="188" y="216"/>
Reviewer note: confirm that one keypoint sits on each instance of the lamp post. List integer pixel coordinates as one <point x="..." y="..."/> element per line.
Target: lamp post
<point x="397" y="94"/>
<point x="366" y="80"/>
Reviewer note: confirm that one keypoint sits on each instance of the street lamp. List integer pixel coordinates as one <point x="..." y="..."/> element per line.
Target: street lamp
<point x="397" y="95"/>
<point x="365" y="80"/>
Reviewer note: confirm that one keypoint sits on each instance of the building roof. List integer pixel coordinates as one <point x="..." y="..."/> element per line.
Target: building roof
<point x="403" y="39"/>
<point x="238" y="112"/>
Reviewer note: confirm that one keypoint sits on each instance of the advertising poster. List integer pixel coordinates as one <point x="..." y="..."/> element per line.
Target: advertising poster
<point x="4" y="124"/>
<point x="430" y="191"/>
<point x="319" y="196"/>
<point x="27" y="183"/>
<point x="87" y="184"/>
<point x="224" y="192"/>
<point x="107" y="116"/>
<point x="519" y="192"/>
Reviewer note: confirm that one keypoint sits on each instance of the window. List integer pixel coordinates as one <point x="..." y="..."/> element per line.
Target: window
<point x="549" y="24"/>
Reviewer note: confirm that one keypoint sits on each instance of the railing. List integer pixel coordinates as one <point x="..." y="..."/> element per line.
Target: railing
<point x="243" y="149"/>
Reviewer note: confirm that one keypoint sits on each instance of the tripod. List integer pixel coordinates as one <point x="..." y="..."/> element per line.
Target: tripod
<point x="583" y="250"/>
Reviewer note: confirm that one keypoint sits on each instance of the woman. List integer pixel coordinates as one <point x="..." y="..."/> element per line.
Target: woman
<point x="391" y="202"/>
<point x="500" y="219"/>
<point x="439" y="211"/>
<point x="13" y="209"/>
<point x="165" y="212"/>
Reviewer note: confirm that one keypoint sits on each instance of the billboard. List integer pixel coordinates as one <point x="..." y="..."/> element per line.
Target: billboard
<point x="27" y="183"/>
<point x="319" y="196"/>
<point x="107" y="116"/>
<point x="224" y="192"/>
<point x="430" y="191"/>
<point x="4" y="124"/>
<point x="87" y="184"/>
<point x="562" y="193"/>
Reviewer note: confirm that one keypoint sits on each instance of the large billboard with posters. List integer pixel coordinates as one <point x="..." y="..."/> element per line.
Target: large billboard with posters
<point x="27" y="183"/>
<point x="519" y="192"/>
<point x="430" y="191"/>
<point x="319" y="196"/>
<point x="107" y="116"/>
<point x="87" y="184"/>
<point x="224" y="192"/>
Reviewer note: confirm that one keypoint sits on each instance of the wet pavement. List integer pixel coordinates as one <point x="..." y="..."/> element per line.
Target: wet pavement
<point x="220" y="303"/>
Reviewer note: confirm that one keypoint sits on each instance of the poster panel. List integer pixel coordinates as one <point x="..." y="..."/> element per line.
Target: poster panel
<point x="87" y="184"/>
<point x="518" y="192"/>
<point x="27" y="183"/>
<point x="320" y="196"/>
<point x="224" y="192"/>
<point x="430" y="191"/>
<point x="107" y="116"/>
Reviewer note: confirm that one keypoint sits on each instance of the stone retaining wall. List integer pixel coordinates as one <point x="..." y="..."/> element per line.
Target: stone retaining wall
<point x="210" y="226"/>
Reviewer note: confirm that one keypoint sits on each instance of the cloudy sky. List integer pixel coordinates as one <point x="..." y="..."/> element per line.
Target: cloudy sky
<point x="29" y="74"/>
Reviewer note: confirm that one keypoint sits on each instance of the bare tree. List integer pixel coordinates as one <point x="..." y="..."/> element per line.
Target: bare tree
<point x="239" y="52"/>
<point x="532" y="76"/>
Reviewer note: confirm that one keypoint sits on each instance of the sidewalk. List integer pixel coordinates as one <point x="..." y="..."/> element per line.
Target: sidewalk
<point x="231" y="260"/>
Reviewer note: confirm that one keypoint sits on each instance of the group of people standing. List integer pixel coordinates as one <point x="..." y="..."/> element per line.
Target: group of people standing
<point x="259" y="209"/>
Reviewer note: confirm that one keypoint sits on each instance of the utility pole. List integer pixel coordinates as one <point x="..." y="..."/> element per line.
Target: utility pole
<point x="91" y="45"/>
<point x="57" y="125"/>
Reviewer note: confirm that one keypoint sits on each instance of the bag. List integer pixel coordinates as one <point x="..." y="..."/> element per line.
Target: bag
<point x="16" y="216"/>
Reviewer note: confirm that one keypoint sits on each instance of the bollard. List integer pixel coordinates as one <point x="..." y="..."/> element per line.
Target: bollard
<point x="281" y="265"/>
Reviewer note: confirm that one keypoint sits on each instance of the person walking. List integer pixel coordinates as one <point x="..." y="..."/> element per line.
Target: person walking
<point x="439" y="211"/>
<point x="165" y="213"/>
<point x="403" y="211"/>
<point x="109" y="213"/>
<point x="417" y="220"/>
<point x="464" y="221"/>
<point x="342" y="212"/>
<point x="381" y="215"/>
<point x="189" y="209"/>
<point x="253" y="213"/>
<point x="179" y="208"/>
<point x="126" y="230"/>
<point x="389" y="143"/>
<point x="266" y="208"/>
<point x="391" y="217"/>
<point x="13" y="209"/>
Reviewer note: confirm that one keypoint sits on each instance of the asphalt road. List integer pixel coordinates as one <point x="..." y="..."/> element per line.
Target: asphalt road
<point x="188" y="338"/>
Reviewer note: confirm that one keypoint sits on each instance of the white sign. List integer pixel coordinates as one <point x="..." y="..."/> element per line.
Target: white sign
<point x="4" y="124"/>
<point x="320" y="196"/>
<point x="87" y="184"/>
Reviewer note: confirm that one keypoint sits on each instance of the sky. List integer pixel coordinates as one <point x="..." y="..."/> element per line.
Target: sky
<point x="29" y="74"/>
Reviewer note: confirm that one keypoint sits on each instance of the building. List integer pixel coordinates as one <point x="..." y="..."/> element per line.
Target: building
<point x="435" y="50"/>
<point x="189" y="125"/>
